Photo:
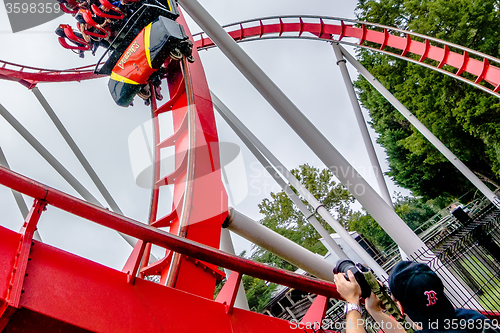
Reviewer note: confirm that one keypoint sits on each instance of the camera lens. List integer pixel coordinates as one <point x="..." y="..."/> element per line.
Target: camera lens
<point x="345" y="265"/>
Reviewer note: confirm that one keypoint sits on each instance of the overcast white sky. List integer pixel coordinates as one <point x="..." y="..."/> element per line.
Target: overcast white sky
<point x="304" y="70"/>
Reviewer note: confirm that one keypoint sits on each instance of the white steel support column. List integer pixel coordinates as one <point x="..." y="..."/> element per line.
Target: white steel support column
<point x="251" y="143"/>
<point x="341" y="62"/>
<point x="359" y="187"/>
<point x="226" y="245"/>
<point x="279" y="245"/>
<point x="423" y="130"/>
<point x="370" y="149"/>
<point x="262" y="153"/>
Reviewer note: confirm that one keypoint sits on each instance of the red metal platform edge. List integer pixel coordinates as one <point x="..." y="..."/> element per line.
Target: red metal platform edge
<point x="76" y="292"/>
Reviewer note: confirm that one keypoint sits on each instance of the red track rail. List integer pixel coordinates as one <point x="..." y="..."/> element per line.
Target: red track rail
<point x="443" y="55"/>
<point x="104" y="217"/>
<point x="447" y="58"/>
<point x="30" y="76"/>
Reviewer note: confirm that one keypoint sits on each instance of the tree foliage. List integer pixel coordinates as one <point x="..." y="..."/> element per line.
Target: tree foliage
<point x="258" y="292"/>
<point x="466" y="119"/>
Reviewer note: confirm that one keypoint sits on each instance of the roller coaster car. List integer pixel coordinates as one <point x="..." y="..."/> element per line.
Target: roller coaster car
<point x="141" y="47"/>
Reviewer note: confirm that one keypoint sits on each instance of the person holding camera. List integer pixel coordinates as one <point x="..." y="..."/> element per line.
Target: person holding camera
<point x="419" y="293"/>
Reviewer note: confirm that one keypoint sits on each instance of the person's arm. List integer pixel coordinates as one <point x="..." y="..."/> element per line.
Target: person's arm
<point x="354" y="322"/>
<point x="386" y="322"/>
<point x="84" y="35"/>
<point x="351" y="292"/>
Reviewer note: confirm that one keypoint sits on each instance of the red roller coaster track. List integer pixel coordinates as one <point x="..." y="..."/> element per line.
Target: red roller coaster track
<point x="30" y="76"/>
<point x="49" y="288"/>
<point x="445" y="57"/>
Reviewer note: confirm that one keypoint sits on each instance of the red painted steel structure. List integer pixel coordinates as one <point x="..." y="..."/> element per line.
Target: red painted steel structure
<point x="62" y="292"/>
<point x="190" y="267"/>
<point x="484" y="67"/>
<point x="442" y="54"/>
<point x="30" y="76"/>
<point x="199" y="200"/>
<point x="82" y="293"/>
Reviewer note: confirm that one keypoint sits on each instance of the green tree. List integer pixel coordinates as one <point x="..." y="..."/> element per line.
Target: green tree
<point x="258" y="292"/>
<point x="466" y="119"/>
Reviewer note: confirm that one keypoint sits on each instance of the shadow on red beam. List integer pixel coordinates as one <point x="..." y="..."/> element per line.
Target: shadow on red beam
<point x="158" y="237"/>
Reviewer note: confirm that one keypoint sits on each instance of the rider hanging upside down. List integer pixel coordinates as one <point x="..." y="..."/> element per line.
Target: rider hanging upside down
<point x="94" y="29"/>
<point x="97" y="21"/>
<point x="65" y="32"/>
<point x="115" y="13"/>
<point x="139" y="37"/>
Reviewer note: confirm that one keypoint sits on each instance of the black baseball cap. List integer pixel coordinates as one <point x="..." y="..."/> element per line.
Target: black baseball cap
<point x="421" y="293"/>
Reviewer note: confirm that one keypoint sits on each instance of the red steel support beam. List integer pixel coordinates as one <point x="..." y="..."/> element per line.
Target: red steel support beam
<point x="316" y="312"/>
<point x="66" y="293"/>
<point x="184" y="246"/>
<point x="132" y="265"/>
<point x="30" y="76"/>
<point x="228" y="293"/>
<point x="157" y="267"/>
<point x="20" y="263"/>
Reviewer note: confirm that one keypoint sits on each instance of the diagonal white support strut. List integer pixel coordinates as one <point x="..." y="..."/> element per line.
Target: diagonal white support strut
<point x="77" y="186"/>
<point x="279" y="245"/>
<point x="84" y="162"/>
<point x="345" y="172"/>
<point x="422" y="129"/>
<point x="78" y="153"/>
<point x="263" y="155"/>
<point x="251" y="143"/>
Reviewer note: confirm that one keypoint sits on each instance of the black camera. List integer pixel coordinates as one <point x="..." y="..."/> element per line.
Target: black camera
<point x="344" y="265"/>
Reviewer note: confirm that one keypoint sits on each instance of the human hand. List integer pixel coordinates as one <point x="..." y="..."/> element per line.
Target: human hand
<point x="348" y="289"/>
<point x="373" y="304"/>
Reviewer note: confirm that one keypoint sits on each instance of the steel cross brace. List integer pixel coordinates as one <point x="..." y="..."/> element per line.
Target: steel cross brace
<point x="132" y="265"/>
<point x="20" y="263"/>
<point x="227" y="295"/>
